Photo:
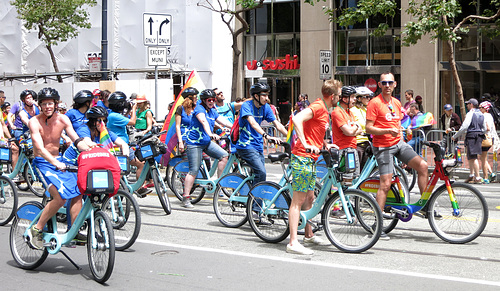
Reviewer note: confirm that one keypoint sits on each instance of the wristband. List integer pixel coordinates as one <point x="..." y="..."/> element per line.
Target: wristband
<point x="77" y="141"/>
<point x="265" y="135"/>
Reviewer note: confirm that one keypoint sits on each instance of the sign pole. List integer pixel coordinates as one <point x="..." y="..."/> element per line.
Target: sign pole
<point x="156" y="89"/>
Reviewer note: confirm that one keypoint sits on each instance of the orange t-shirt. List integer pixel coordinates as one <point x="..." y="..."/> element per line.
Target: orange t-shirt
<point x="314" y="129"/>
<point x="341" y="117"/>
<point x="379" y="112"/>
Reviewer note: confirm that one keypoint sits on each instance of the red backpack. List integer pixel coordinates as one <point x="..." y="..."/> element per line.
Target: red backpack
<point x="234" y="134"/>
<point x="98" y="164"/>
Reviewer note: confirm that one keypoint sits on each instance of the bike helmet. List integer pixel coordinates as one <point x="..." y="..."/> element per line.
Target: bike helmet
<point x="347" y="91"/>
<point x="83" y="96"/>
<point x="96" y="112"/>
<point x="48" y="94"/>
<point x="96" y="92"/>
<point x="5" y="105"/>
<point x="189" y="91"/>
<point x="27" y="92"/>
<point x="117" y="101"/>
<point x="62" y="106"/>
<point x="257" y="88"/>
<point x="207" y="93"/>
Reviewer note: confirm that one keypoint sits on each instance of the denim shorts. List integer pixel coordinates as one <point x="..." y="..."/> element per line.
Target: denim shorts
<point x="194" y="155"/>
<point x="303" y="172"/>
<point x="385" y="156"/>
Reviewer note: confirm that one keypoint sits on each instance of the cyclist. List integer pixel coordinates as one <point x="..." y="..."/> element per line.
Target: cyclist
<point x="23" y="111"/>
<point x="117" y="123"/>
<point x="344" y="126"/>
<point x="183" y="115"/>
<point x="103" y="99"/>
<point x="383" y="121"/>
<point x="250" y="143"/>
<point x="81" y="103"/>
<point x="310" y="125"/>
<point x="145" y="121"/>
<point x="359" y="113"/>
<point x="199" y="140"/>
<point x="46" y="129"/>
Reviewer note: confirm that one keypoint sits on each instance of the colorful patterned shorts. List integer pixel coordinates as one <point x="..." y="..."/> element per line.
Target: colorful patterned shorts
<point x="304" y="173"/>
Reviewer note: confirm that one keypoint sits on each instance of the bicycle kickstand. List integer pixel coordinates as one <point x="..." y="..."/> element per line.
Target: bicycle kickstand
<point x="70" y="260"/>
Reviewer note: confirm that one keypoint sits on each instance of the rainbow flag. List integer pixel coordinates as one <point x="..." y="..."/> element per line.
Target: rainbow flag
<point x="104" y="138"/>
<point x="425" y="119"/>
<point x="291" y="136"/>
<point x="170" y="138"/>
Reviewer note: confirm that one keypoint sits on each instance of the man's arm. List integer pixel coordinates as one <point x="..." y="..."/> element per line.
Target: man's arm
<point x="371" y="129"/>
<point x="464" y="127"/>
<point x="298" y="123"/>
<point x="280" y="127"/>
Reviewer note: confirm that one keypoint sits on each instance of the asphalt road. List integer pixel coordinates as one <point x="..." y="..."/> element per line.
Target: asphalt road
<point x="191" y="250"/>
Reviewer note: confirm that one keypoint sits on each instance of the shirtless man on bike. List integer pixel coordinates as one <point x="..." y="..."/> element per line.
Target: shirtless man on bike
<point x="46" y="129"/>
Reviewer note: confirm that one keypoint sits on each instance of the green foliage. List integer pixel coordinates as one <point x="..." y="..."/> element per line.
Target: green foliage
<point x="56" y="20"/>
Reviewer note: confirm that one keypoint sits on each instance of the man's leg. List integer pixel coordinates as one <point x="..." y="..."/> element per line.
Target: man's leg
<point x="51" y="208"/>
<point x="76" y="206"/>
<point x="256" y="161"/>
<point x="385" y="185"/>
<point x="298" y="200"/>
<point x="420" y="165"/>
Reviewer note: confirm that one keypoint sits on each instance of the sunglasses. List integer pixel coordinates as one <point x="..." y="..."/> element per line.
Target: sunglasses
<point x="220" y="93"/>
<point x="210" y="99"/>
<point x="385" y="83"/>
<point x="391" y="108"/>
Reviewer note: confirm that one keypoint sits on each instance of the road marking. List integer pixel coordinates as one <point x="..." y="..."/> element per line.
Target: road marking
<point x="324" y="264"/>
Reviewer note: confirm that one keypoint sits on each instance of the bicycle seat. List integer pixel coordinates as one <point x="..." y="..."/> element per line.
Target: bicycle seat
<point x="277" y="157"/>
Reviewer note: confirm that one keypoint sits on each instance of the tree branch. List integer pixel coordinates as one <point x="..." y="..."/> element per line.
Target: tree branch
<point x="479" y="17"/>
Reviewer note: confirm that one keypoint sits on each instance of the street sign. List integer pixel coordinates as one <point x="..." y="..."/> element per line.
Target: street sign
<point x="157" y="56"/>
<point x="325" y="64"/>
<point x="157" y="29"/>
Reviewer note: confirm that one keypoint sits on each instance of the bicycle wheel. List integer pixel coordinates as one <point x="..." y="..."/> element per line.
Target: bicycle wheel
<point x="8" y="200"/>
<point x="101" y="247"/>
<point x="21" y="185"/>
<point x="179" y="175"/>
<point x="168" y="171"/>
<point x="125" y="215"/>
<point x="403" y="178"/>
<point x="26" y="256"/>
<point x="466" y="223"/>
<point x="229" y="206"/>
<point x="161" y="190"/>
<point x="34" y="183"/>
<point x="268" y="221"/>
<point x="352" y="236"/>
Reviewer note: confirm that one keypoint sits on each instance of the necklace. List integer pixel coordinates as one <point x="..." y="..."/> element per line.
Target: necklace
<point x="389" y="105"/>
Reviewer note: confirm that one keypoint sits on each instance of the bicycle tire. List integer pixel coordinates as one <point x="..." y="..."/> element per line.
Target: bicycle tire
<point x="101" y="256"/>
<point x="403" y="179"/>
<point x="33" y="182"/>
<point x="465" y="226"/>
<point x="231" y="213"/>
<point x="168" y="172"/>
<point x="21" y="185"/>
<point x="8" y="200"/>
<point x="411" y="175"/>
<point x="125" y="218"/>
<point x="177" y="180"/>
<point x="269" y="224"/>
<point x="25" y="256"/>
<point x="161" y="190"/>
<point x="352" y="236"/>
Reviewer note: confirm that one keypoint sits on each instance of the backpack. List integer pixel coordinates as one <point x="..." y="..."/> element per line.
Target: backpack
<point x="98" y="161"/>
<point x="496" y="115"/>
<point x="234" y="134"/>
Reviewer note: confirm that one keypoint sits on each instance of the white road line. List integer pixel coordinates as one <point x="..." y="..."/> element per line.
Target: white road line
<point x="324" y="264"/>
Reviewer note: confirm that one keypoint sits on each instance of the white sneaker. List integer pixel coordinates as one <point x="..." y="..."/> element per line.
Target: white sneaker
<point x="314" y="240"/>
<point x="298" y="249"/>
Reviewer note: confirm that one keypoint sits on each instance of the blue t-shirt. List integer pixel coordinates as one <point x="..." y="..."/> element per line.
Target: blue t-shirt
<point x="100" y="103"/>
<point x="227" y="111"/>
<point x="79" y="122"/>
<point x="197" y="134"/>
<point x="117" y="123"/>
<point x="249" y="137"/>
<point x="185" y="122"/>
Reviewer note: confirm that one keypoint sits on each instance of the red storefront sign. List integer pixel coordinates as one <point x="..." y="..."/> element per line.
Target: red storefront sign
<point x="278" y="64"/>
<point x="371" y="84"/>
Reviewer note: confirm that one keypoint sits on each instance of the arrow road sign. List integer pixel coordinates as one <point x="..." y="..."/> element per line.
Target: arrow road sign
<point x="157" y="29"/>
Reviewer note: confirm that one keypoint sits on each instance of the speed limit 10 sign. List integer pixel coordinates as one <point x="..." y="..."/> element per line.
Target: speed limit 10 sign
<point x="325" y="64"/>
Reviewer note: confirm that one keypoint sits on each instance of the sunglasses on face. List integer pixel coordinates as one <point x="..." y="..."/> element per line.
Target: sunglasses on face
<point x="220" y="93"/>
<point x="385" y="83"/>
<point x="210" y="99"/>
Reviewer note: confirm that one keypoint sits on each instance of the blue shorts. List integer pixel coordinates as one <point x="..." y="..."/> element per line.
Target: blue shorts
<point x="65" y="182"/>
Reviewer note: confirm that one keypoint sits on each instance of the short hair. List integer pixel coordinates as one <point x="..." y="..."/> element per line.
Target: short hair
<point x="387" y="73"/>
<point x="414" y="105"/>
<point x="330" y="87"/>
<point x="410" y="92"/>
<point x="1" y="91"/>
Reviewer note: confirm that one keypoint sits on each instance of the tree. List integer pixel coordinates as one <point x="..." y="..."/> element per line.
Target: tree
<point x="227" y="14"/>
<point x="56" y="20"/>
<point x="440" y="19"/>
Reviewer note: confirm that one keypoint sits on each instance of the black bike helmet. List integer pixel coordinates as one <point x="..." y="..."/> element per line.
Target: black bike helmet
<point x="189" y="91"/>
<point x="117" y="101"/>
<point x="257" y="88"/>
<point x="5" y="105"/>
<point x="48" y="94"/>
<point x="96" y="112"/>
<point x="83" y="96"/>
<point x="207" y="93"/>
<point x="27" y="92"/>
<point x="347" y="91"/>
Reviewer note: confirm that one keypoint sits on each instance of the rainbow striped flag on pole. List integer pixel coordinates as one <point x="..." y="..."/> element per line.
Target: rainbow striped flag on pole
<point x="104" y="138"/>
<point x="170" y="138"/>
<point x="291" y="136"/>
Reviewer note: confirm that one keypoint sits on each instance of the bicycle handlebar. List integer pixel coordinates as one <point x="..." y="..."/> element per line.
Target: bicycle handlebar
<point x="71" y="168"/>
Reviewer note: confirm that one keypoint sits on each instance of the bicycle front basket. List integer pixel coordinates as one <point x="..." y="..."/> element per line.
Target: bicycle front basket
<point x="146" y="151"/>
<point x="5" y="155"/>
<point x="99" y="182"/>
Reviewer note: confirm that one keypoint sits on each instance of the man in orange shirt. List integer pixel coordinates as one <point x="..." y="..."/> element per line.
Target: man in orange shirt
<point x="310" y="125"/>
<point x="344" y="126"/>
<point x="383" y="121"/>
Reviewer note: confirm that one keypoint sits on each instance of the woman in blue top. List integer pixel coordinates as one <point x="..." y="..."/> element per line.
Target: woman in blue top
<point x="199" y="140"/>
<point x="183" y="115"/>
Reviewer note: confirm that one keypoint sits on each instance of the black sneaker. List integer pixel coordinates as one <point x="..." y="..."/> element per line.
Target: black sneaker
<point x="143" y="192"/>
